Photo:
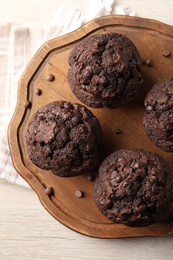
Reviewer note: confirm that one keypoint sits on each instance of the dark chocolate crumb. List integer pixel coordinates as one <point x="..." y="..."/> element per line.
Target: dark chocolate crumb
<point x="79" y="194"/>
<point x="166" y="53"/>
<point x="38" y="92"/>
<point x="49" y="191"/>
<point x="91" y="177"/>
<point x="27" y="104"/>
<point x="149" y="63"/>
<point x="50" y="77"/>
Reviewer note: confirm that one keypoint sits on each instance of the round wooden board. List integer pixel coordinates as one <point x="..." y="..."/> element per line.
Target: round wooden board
<point x="81" y="214"/>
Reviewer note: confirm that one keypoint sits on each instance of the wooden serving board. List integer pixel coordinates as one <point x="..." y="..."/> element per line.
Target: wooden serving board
<point x="81" y="214"/>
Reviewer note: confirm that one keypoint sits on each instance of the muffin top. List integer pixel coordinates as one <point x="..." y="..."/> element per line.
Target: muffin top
<point x="105" y="70"/>
<point x="158" y="119"/>
<point x="63" y="137"/>
<point x="135" y="188"/>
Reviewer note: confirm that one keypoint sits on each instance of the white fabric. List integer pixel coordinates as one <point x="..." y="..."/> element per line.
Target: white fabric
<point x="18" y="43"/>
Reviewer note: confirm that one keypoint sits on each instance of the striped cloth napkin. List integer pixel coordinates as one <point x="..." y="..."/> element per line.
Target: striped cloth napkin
<point x="18" y="43"/>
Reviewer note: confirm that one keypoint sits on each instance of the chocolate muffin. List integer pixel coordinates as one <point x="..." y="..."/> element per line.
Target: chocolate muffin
<point x="158" y="119"/>
<point x="63" y="137"/>
<point x="135" y="188"/>
<point x="105" y="70"/>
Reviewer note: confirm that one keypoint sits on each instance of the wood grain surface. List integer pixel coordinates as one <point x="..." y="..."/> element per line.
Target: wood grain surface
<point x="81" y="215"/>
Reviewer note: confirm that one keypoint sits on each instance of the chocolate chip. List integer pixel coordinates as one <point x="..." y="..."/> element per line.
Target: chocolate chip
<point x="68" y="105"/>
<point x="51" y="116"/>
<point x="149" y="108"/>
<point x="49" y="191"/>
<point x="118" y="131"/>
<point x="112" y="168"/>
<point x="149" y="63"/>
<point x="166" y="53"/>
<point x="62" y="104"/>
<point x="79" y="194"/>
<point x="91" y="177"/>
<point x="38" y="92"/>
<point x="40" y="116"/>
<point x="50" y="77"/>
<point x="118" y="179"/>
<point x="87" y="73"/>
<point x="27" y="104"/>
<point x="83" y="87"/>
<point x="75" y="120"/>
<point x="136" y="165"/>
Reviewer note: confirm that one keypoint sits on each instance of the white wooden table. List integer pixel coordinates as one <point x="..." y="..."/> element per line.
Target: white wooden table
<point x="27" y="231"/>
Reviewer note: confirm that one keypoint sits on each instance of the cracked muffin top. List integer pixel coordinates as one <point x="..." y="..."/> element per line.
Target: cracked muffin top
<point x="63" y="137"/>
<point x="158" y="119"/>
<point x="105" y="70"/>
<point x="135" y="188"/>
